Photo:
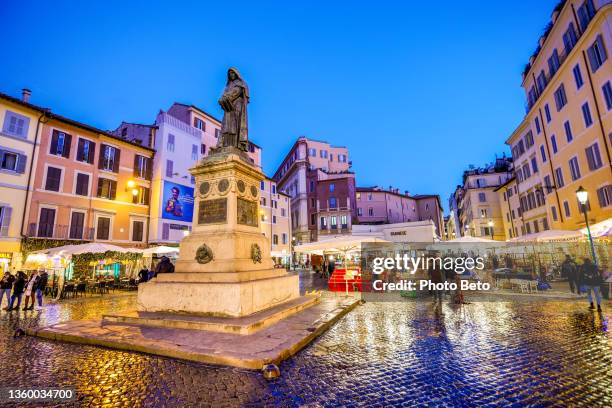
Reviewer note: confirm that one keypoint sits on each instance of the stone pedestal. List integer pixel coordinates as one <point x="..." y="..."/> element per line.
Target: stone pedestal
<point x="224" y="266"/>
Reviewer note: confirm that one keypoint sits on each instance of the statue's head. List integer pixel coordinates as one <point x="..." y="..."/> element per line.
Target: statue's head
<point x="233" y="74"/>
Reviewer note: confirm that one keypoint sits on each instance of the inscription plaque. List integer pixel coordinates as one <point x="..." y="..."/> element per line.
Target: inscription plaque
<point x="212" y="211"/>
<point x="247" y="212"/>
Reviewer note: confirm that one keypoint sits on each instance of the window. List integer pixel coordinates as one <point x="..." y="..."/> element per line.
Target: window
<point x="275" y="239"/>
<point x="548" y="185"/>
<point x="528" y="227"/>
<point x="482" y="182"/>
<point x="312" y="188"/>
<point x="12" y="161"/>
<point x="593" y="157"/>
<point x="371" y="212"/>
<point x="199" y="123"/>
<point x="359" y="211"/>
<point x="566" y="208"/>
<point x="531" y="96"/>
<point x="46" y="222"/>
<point x="343" y="221"/>
<point x="578" y="76"/>
<point x="194" y="152"/>
<point x="568" y="131"/>
<point x="586" y="113"/>
<point x="170" y="143"/>
<point x="283" y="212"/>
<point x="604" y="196"/>
<point x="77" y="222"/>
<point x="263" y="201"/>
<point x="82" y="184"/>
<point x="560" y="97"/>
<point x="559" y="177"/>
<point x="312" y="152"/>
<point x="534" y="165"/>
<point x="547" y="112"/>
<point x="332" y="187"/>
<point x="137" y="231"/>
<point x="169" y="168"/>
<point x="54" y="177"/>
<point x="107" y="188"/>
<point x="597" y="54"/>
<point x="545" y="224"/>
<point x="334" y="222"/>
<point x="585" y="13"/>
<point x="541" y="81"/>
<point x="526" y="171"/>
<point x="202" y="149"/>
<point x="142" y="197"/>
<point x="217" y="133"/>
<point x="142" y="167"/>
<point x="543" y="153"/>
<point x="323" y="223"/>
<point x="553" y="63"/>
<point x="60" y="144"/>
<point x="537" y="125"/>
<point x="15" y="124"/>
<point x="369" y="196"/>
<point x="5" y="220"/>
<point x="553" y="141"/>
<point x="484" y="213"/>
<point x="607" y="91"/>
<point x="284" y="238"/>
<point x="482" y="197"/>
<point x="323" y="154"/>
<point x="569" y="38"/>
<point x="553" y="211"/>
<point x="109" y="158"/>
<point x="332" y="202"/>
<point x="103" y="228"/>
<point x="273" y="188"/>
<point x="342" y="158"/>
<point x="85" y="151"/>
<point x="528" y="140"/>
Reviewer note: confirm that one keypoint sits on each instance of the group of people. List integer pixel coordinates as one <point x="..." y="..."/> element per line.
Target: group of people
<point x="164" y="266"/>
<point x="13" y="287"/>
<point x="584" y="278"/>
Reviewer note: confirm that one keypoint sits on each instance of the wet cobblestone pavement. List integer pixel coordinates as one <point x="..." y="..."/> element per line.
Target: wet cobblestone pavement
<point x="508" y="353"/>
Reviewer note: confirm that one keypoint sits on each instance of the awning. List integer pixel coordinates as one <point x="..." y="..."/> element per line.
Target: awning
<point x="159" y="250"/>
<point x="599" y="230"/>
<point x="337" y="244"/>
<point x="549" y="236"/>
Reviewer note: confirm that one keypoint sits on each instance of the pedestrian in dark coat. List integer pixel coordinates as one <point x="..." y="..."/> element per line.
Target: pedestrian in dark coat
<point x="41" y="286"/>
<point x="143" y="275"/>
<point x="570" y="270"/>
<point x="590" y="279"/>
<point x="6" y="286"/>
<point x="18" y="288"/>
<point x="164" y="266"/>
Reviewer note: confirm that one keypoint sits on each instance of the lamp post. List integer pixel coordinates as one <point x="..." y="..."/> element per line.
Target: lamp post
<point x="583" y="197"/>
<point x="490" y="224"/>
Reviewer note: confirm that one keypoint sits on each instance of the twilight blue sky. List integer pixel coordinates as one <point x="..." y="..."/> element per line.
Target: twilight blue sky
<point x="416" y="90"/>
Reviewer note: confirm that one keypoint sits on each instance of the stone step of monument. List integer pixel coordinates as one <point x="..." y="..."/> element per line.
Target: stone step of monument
<point x="235" y="325"/>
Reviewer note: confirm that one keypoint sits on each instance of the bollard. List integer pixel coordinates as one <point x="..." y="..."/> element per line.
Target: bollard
<point x="270" y="371"/>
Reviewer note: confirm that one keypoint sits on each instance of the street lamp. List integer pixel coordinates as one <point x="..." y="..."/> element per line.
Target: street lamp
<point x="490" y="224"/>
<point x="583" y="197"/>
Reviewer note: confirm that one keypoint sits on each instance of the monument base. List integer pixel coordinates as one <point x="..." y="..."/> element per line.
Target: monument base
<point x="223" y="299"/>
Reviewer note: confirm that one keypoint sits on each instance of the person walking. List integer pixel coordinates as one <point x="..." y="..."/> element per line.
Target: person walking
<point x="18" y="288"/>
<point x="164" y="266"/>
<point x="6" y="285"/>
<point x="41" y="286"/>
<point x="590" y="279"/>
<point x="569" y="269"/>
<point x="30" y="289"/>
<point x="143" y="275"/>
<point x="436" y="276"/>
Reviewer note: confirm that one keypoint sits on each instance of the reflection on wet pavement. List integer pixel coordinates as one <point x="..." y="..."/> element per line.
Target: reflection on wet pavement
<point x="381" y="354"/>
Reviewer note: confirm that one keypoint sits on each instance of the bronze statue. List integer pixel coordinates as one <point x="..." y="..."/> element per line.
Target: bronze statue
<point x="234" y="128"/>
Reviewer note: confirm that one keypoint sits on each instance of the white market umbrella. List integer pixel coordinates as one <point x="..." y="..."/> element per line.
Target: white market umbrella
<point x="337" y="244"/>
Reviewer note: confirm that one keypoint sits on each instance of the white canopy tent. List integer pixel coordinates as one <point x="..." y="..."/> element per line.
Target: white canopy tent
<point x="342" y="244"/>
<point x="549" y="236"/>
<point x="160" y="250"/>
<point x="600" y="230"/>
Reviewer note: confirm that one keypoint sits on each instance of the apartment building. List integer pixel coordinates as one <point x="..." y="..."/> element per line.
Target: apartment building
<point x="376" y="205"/>
<point x="479" y="207"/>
<point x="512" y="213"/>
<point x="21" y="125"/>
<point x="274" y="208"/>
<point x="88" y="185"/>
<point x="310" y="163"/>
<point x="565" y="139"/>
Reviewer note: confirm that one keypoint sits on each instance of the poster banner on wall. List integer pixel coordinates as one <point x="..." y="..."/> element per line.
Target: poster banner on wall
<point x="177" y="202"/>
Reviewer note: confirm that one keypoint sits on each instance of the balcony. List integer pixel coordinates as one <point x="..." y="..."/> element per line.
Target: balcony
<point x="57" y="231"/>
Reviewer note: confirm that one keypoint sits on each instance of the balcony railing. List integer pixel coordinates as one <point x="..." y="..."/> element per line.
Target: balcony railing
<point x="58" y="231"/>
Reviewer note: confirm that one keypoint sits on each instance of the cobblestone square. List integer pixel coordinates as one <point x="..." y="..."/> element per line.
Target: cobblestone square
<point x="513" y="352"/>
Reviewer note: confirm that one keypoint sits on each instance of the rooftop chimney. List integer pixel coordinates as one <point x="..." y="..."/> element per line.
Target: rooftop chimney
<point x="25" y="95"/>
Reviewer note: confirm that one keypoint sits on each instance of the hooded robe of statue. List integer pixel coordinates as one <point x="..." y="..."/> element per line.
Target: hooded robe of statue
<point x="234" y="127"/>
